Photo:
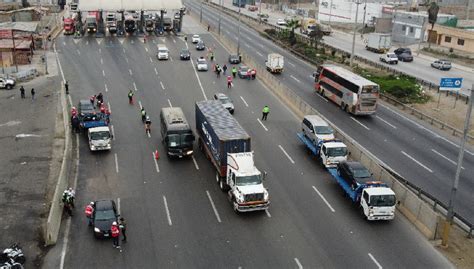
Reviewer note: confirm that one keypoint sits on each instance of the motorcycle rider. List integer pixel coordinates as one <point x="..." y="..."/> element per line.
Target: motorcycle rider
<point x="148" y="125"/>
<point x="143" y="113"/>
<point x="130" y="97"/>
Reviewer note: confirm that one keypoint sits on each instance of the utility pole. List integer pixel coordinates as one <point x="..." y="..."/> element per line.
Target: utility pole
<point x="260" y="12"/>
<point x="330" y="12"/>
<point x="220" y="11"/>
<point x="354" y="34"/>
<point x="450" y="215"/>
<point x="14" y="50"/>
<point x="238" y="33"/>
<point x="422" y="37"/>
<point x="365" y="12"/>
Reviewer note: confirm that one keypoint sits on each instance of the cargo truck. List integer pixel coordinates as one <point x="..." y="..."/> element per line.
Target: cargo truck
<point x="227" y="145"/>
<point x="329" y="152"/>
<point x="378" y="42"/>
<point x="91" y="22"/>
<point x="274" y="63"/>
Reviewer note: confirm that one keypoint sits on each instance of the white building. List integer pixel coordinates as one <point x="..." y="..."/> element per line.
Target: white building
<point x="344" y="11"/>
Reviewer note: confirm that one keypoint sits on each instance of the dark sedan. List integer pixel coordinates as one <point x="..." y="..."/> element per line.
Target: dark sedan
<point x="243" y="71"/>
<point x="200" y="46"/>
<point x="354" y="173"/>
<point x="234" y="59"/>
<point x="404" y="54"/>
<point x="105" y="213"/>
<point x="85" y="107"/>
<point x="184" y="54"/>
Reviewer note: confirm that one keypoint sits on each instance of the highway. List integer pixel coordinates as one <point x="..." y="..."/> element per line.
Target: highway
<point x="177" y="216"/>
<point x="416" y="151"/>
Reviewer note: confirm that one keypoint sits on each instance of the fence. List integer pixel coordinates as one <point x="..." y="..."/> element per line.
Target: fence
<point x="420" y="207"/>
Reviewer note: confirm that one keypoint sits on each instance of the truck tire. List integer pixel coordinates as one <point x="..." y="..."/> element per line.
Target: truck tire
<point x="235" y="206"/>
<point x="224" y="187"/>
<point x="9" y="87"/>
<point x="218" y="178"/>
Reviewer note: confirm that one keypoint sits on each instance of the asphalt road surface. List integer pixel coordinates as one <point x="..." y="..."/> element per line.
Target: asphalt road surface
<point x="177" y="216"/>
<point x="419" y="153"/>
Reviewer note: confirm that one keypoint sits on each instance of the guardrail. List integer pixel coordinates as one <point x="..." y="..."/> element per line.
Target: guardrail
<point x="420" y="207"/>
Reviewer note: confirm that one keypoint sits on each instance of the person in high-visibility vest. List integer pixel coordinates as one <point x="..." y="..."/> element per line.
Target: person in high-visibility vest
<point x="265" y="112"/>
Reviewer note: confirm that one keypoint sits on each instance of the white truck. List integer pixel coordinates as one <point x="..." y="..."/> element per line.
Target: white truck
<point x="99" y="138"/>
<point x="379" y="42"/>
<point x="274" y="63"/>
<point x="7" y="83"/>
<point x="329" y="152"/>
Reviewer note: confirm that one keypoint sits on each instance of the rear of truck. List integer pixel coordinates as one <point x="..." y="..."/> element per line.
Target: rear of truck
<point x="275" y="63"/>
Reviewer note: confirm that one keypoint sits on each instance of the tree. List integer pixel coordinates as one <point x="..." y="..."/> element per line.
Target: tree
<point x="433" y="14"/>
<point x="292" y="25"/>
<point x="24" y="3"/>
<point x="316" y="36"/>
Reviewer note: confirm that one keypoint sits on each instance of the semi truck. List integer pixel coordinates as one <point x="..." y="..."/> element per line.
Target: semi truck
<point x="91" y="23"/>
<point x="227" y="145"/>
<point x="375" y="198"/>
<point x="378" y="42"/>
<point x="274" y="63"/>
<point x="111" y="23"/>
<point x="329" y="152"/>
<point x="69" y="26"/>
<point x="130" y="24"/>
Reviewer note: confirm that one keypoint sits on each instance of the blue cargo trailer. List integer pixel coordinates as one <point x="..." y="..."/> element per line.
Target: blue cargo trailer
<point x="219" y="133"/>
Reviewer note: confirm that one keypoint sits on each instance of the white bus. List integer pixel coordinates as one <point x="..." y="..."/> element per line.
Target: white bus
<point x="350" y="91"/>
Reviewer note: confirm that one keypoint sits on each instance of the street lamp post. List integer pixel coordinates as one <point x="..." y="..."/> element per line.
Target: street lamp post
<point x="220" y="11"/>
<point x="238" y="33"/>
<point x="354" y="34"/>
<point x="330" y="12"/>
<point x="454" y="189"/>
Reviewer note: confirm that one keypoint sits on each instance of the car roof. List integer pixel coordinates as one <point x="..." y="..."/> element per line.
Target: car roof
<point x="101" y="205"/>
<point x="99" y="129"/>
<point x="221" y="95"/>
<point x="195" y="35"/>
<point x="355" y="165"/>
<point x="316" y="120"/>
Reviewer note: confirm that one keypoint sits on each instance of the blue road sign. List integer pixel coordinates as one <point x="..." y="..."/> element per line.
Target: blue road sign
<point x="450" y="84"/>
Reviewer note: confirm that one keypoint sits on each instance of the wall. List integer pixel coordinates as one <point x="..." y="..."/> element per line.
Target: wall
<point x="454" y="35"/>
<point x="407" y="28"/>
<point x="345" y="11"/>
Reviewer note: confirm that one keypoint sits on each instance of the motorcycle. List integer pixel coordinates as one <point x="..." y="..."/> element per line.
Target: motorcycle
<point x="13" y="253"/>
<point x="11" y="264"/>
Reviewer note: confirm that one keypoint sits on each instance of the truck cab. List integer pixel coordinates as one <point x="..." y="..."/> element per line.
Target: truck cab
<point x="244" y="183"/>
<point x="69" y="26"/>
<point x="91" y="23"/>
<point x="7" y="83"/>
<point x="99" y="138"/>
<point x="332" y="152"/>
<point x="111" y="23"/>
<point x="378" y="201"/>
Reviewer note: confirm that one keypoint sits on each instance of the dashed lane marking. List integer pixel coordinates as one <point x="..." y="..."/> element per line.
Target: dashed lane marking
<point x="156" y="71"/>
<point x="195" y="163"/>
<point x="213" y="206"/>
<point x="259" y="54"/>
<point x="286" y="153"/>
<point x="446" y="158"/>
<point x="261" y="123"/>
<point x="140" y="104"/>
<point x="268" y="213"/>
<point x="297" y="80"/>
<point x="324" y="199"/>
<point x="360" y="123"/>
<point x="167" y="211"/>
<point x="78" y="52"/>
<point x="106" y="89"/>
<point x="130" y="72"/>
<point x="375" y="261"/>
<point x="116" y="163"/>
<point x="103" y="73"/>
<point x="169" y="102"/>
<point x="162" y="86"/>
<point x="113" y="132"/>
<point x="298" y="263"/>
<point x="135" y="86"/>
<point x="416" y="161"/>
<point x="386" y="122"/>
<point x="245" y="102"/>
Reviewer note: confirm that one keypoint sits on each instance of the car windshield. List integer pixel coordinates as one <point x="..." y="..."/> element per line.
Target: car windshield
<point x="105" y="215"/>
<point x="392" y="55"/>
<point x="201" y="61"/>
<point x="225" y="100"/>
<point x="248" y="180"/>
<point x="361" y="173"/>
<point x="244" y="69"/>
<point x="100" y="135"/>
<point x="162" y="50"/>
<point x="184" y="52"/>
<point x="176" y="140"/>
<point x="336" y="152"/>
<point x="323" y="130"/>
<point x="87" y="106"/>
<point x="370" y="89"/>
<point x="382" y="200"/>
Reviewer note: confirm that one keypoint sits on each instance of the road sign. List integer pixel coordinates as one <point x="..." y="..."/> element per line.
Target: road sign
<point x="450" y="84"/>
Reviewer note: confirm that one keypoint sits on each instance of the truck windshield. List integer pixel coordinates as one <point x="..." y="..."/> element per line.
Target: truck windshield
<point x="248" y="180"/>
<point x="382" y="200"/>
<point x="336" y="152"/>
<point x="323" y="130"/>
<point x="100" y="135"/>
<point x="177" y="140"/>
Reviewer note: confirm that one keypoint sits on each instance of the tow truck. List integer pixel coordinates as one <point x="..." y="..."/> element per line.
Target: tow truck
<point x="329" y="152"/>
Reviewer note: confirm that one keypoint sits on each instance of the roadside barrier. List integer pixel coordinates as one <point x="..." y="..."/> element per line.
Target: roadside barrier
<point x="421" y="208"/>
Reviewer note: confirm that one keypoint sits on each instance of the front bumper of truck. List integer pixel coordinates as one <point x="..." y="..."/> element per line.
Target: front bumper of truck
<point x="251" y="206"/>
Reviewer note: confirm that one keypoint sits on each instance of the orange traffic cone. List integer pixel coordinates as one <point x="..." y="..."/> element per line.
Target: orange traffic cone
<point x="157" y="155"/>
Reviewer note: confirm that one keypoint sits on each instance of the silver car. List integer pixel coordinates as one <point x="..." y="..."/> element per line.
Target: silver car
<point x="226" y="101"/>
<point x="201" y="64"/>
<point x="441" y="65"/>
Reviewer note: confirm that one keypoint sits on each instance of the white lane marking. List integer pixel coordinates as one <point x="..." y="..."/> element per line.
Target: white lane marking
<point x="101" y="61"/>
<point x="261" y="55"/>
<point x="199" y="81"/>
<point x="64" y="43"/>
<point x="100" y="50"/>
<point x="261" y="45"/>
<point x="133" y="42"/>
<point x="360" y="123"/>
<point x="110" y="108"/>
<point x="103" y="73"/>
<point x="261" y="123"/>
<point x="151" y="60"/>
<point x="146" y="49"/>
<point x="290" y="63"/>
<point x="245" y="102"/>
<point x="124" y="51"/>
<point x="324" y="199"/>
<point x="59" y="63"/>
<point x="148" y="134"/>
<point x="268" y="213"/>
<point x="118" y="205"/>
<point x="227" y="32"/>
<point x="386" y="122"/>
<point x="169" y="102"/>
<point x="116" y="163"/>
<point x="156" y="71"/>
<point x="293" y="77"/>
<point x="446" y="158"/>
<point x="156" y="163"/>
<point x="135" y="86"/>
<point x="113" y="132"/>
<point x="69" y="99"/>
<point x="375" y="261"/>
<point x="424" y="128"/>
<point x="87" y="42"/>
<point x="162" y="86"/>
<point x="140" y="104"/>
<point x="126" y="59"/>
<point x="249" y="39"/>
<point x="298" y="263"/>
<point x="106" y="89"/>
<point x="167" y="211"/>
<point x="416" y="161"/>
<point x="186" y="45"/>
<point x="286" y="153"/>
<point x="130" y="72"/>
<point x="174" y="41"/>
<point x="195" y="163"/>
<point x="171" y="58"/>
<point x="247" y="45"/>
<point x="213" y="206"/>
<point x="322" y="97"/>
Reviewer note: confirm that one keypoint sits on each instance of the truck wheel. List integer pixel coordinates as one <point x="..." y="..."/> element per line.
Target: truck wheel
<point x="222" y="185"/>
<point x="342" y="105"/>
<point x="9" y="87"/>
<point x="218" y="178"/>
<point x="236" y="207"/>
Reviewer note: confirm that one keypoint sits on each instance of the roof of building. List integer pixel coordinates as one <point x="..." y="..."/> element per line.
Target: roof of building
<point x="20" y="26"/>
<point x="19" y="44"/>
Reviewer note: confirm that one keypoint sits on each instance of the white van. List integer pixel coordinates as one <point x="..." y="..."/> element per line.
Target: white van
<point x="99" y="138"/>
<point x="316" y="129"/>
<point x="163" y="52"/>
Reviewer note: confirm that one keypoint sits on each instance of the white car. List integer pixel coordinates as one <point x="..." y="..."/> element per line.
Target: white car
<point x="281" y="22"/>
<point x="196" y="39"/>
<point x="390" y="58"/>
<point x="201" y="64"/>
<point x="163" y="53"/>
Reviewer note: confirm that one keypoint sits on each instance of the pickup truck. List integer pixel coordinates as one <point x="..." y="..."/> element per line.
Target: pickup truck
<point x="89" y="118"/>
<point x="7" y="83"/>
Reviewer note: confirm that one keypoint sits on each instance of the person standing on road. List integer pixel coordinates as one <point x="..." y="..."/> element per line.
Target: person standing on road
<point x="33" y="94"/>
<point x="123" y="227"/>
<point x="92" y="99"/>
<point x="115" y="232"/>
<point x="22" y="92"/>
<point x="185" y="38"/>
<point x="89" y="211"/>
<point x="229" y="82"/>
<point x="66" y="87"/>
<point x="234" y="71"/>
<point x="130" y="97"/>
<point x="253" y="73"/>
<point x="224" y="69"/>
<point x="265" y="112"/>
<point x="75" y="124"/>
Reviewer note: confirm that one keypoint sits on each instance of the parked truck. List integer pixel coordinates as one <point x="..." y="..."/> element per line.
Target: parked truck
<point x="274" y="63"/>
<point x="375" y="198"/>
<point x="69" y="26"/>
<point x="378" y="42"/>
<point x="111" y="22"/>
<point x="91" y="21"/>
<point x="99" y="138"/>
<point x="227" y="145"/>
<point x="329" y="152"/>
